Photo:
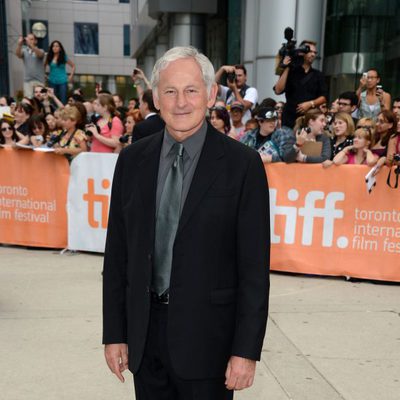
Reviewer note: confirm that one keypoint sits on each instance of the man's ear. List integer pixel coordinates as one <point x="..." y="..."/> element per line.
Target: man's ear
<point x="213" y="95"/>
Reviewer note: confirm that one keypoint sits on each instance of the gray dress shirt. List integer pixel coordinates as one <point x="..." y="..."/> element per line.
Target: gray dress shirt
<point x="191" y="154"/>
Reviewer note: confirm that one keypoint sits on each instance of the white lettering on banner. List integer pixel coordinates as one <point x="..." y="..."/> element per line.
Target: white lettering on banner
<point x="329" y="213"/>
<point x="88" y="200"/>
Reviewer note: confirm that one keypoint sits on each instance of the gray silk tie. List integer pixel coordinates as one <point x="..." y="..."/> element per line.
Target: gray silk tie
<point x="167" y="222"/>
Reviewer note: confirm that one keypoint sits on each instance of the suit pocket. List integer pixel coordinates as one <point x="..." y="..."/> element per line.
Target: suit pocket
<point x="223" y="296"/>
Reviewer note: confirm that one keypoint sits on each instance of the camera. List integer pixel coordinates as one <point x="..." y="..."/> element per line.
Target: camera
<point x="307" y="129"/>
<point x="124" y="138"/>
<point x="396" y="157"/>
<point x="44" y="90"/>
<point x="54" y="139"/>
<point x="231" y="76"/>
<point x="289" y="49"/>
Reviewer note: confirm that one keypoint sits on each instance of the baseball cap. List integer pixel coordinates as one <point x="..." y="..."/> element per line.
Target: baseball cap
<point x="267" y="113"/>
<point x="237" y="105"/>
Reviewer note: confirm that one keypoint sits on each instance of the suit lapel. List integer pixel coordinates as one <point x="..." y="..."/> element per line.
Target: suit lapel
<point x="147" y="172"/>
<point x="207" y="170"/>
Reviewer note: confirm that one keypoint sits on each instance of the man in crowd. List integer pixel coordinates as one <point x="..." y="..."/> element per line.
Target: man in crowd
<point x="236" y="112"/>
<point x="186" y="263"/>
<point x="237" y="89"/>
<point x="274" y="144"/>
<point x="152" y="121"/>
<point x="32" y="57"/>
<point x="396" y="107"/>
<point x="348" y="102"/>
<point x="303" y="86"/>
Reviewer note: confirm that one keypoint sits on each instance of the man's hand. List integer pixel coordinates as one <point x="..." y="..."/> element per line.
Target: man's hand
<point x="20" y="41"/>
<point x="302" y="108"/>
<point x="117" y="358"/>
<point x="239" y="373"/>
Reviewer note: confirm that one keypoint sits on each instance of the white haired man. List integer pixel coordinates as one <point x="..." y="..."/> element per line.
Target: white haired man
<point x="186" y="282"/>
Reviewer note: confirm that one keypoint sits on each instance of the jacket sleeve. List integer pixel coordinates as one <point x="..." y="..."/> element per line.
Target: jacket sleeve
<point x="114" y="270"/>
<point x="253" y="247"/>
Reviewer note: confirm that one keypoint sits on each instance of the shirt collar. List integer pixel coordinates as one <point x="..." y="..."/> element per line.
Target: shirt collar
<point x="193" y="144"/>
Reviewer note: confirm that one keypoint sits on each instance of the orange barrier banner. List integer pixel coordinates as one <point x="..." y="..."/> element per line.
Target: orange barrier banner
<point x="324" y="221"/>
<point x="33" y="197"/>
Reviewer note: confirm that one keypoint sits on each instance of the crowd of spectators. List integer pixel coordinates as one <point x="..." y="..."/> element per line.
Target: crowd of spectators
<point x="360" y="127"/>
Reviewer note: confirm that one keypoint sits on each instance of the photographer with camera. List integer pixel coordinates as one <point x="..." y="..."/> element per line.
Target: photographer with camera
<point x="107" y="129"/>
<point x="32" y="57"/>
<point x="131" y="118"/>
<point x="304" y="86"/>
<point x="237" y="89"/>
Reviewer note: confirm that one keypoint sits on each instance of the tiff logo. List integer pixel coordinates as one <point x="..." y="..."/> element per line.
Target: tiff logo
<point x="328" y="213"/>
<point x="92" y="198"/>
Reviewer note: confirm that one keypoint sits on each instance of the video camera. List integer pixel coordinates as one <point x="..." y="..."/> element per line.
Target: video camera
<point x="289" y="49"/>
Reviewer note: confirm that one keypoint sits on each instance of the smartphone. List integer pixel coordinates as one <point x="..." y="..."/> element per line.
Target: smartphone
<point x="365" y="74"/>
<point x="379" y="87"/>
<point x="135" y="71"/>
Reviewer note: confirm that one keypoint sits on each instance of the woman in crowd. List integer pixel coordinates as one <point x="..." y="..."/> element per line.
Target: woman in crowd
<point x="220" y="120"/>
<point x="72" y="140"/>
<point x="342" y="135"/>
<point x="359" y="152"/>
<point x="310" y="128"/>
<point x="343" y="129"/>
<point x="279" y="109"/>
<point x="57" y="61"/>
<point x="393" y="147"/>
<point x="367" y="122"/>
<point x="131" y="118"/>
<point x="40" y="130"/>
<point x="371" y="95"/>
<point x="23" y="112"/>
<point x="108" y="129"/>
<point x="8" y="135"/>
<point x="386" y="124"/>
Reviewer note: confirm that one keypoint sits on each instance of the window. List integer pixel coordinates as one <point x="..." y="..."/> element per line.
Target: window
<point x="127" y="40"/>
<point x="86" y="38"/>
<point x="124" y="1"/>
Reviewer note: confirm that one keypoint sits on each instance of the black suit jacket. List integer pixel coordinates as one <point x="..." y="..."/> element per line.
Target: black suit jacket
<point x="148" y="127"/>
<point x="220" y="270"/>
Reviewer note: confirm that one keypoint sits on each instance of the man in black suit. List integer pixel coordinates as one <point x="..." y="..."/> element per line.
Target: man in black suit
<point x="152" y="121"/>
<point x="186" y="269"/>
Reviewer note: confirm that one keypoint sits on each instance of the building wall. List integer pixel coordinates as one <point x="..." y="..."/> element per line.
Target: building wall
<point x="110" y="15"/>
<point x="14" y="30"/>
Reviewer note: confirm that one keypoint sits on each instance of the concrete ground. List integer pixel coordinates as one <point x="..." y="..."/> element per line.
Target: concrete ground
<point x="327" y="339"/>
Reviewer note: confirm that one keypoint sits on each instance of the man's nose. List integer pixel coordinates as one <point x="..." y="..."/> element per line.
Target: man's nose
<point x="181" y="99"/>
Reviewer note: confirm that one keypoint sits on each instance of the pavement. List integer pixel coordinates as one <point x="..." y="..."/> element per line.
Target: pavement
<point x="327" y="338"/>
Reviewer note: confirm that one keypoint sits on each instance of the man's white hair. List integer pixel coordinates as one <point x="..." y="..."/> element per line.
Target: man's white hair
<point x="177" y="53"/>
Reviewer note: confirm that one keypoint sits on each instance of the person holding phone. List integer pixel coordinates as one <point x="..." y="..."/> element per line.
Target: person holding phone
<point x="32" y="57"/>
<point x="373" y="99"/>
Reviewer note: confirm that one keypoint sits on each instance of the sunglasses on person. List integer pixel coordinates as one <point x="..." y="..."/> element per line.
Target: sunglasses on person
<point x="7" y="128"/>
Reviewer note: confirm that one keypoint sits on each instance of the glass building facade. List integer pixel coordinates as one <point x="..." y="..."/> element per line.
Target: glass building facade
<point x="360" y="35"/>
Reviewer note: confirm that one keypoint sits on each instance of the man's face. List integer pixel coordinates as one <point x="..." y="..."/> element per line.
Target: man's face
<point x="345" y="106"/>
<point x="30" y="40"/>
<point x="182" y="97"/>
<point x="396" y="108"/>
<point x="241" y="78"/>
<point x="236" y="114"/>
<point x="310" y="56"/>
<point x="267" y="126"/>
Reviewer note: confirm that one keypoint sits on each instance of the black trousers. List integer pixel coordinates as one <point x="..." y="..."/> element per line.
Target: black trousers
<point x="156" y="379"/>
